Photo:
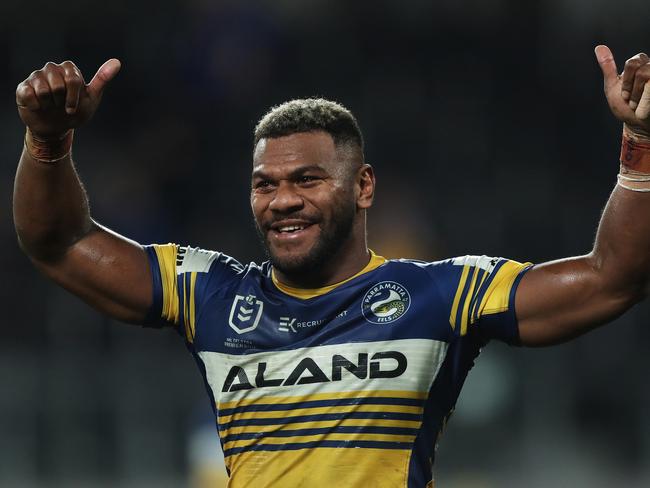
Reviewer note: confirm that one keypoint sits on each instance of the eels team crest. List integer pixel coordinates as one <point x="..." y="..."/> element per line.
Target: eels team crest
<point x="385" y="302"/>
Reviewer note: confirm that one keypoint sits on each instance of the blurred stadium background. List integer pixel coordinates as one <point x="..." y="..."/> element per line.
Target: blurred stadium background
<point x="489" y="133"/>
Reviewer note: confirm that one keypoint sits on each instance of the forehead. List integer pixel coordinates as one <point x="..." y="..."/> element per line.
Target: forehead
<point x="290" y="152"/>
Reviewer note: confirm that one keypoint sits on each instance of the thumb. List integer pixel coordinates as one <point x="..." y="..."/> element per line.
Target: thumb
<point x="607" y="65"/>
<point x="105" y="73"/>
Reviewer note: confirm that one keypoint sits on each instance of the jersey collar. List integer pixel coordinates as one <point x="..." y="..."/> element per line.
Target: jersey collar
<point x="306" y="293"/>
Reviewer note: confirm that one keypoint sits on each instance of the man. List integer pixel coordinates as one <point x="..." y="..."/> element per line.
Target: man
<point x="328" y="364"/>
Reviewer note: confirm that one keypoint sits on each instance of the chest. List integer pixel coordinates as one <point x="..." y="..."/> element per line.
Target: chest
<point x="379" y="335"/>
<point x="253" y="317"/>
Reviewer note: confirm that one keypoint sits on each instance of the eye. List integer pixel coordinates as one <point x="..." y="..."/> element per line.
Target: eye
<point x="262" y="185"/>
<point x="307" y="179"/>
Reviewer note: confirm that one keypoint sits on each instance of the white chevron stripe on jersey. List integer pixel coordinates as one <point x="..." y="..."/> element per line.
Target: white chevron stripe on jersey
<point x="401" y="365"/>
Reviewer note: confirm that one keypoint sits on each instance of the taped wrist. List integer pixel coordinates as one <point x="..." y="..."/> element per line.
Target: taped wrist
<point x="49" y="150"/>
<point x="634" y="174"/>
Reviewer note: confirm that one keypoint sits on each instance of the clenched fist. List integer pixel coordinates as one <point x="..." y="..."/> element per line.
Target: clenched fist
<point x="56" y="98"/>
<point x="628" y="94"/>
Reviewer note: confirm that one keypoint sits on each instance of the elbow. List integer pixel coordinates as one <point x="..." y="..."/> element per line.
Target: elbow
<point x="43" y="248"/>
<point x="627" y="285"/>
<point x="37" y="248"/>
<point x="634" y="296"/>
<point x="48" y="244"/>
<point x="628" y="293"/>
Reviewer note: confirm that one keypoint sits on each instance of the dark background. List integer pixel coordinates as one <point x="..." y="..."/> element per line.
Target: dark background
<point x="489" y="133"/>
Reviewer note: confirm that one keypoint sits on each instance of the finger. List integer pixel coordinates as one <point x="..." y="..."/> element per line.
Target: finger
<point x="42" y="90"/>
<point x="607" y="65"/>
<point x="73" y="82"/>
<point x="26" y="97"/>
<point x="629" y="72"/>
<point x="643" y="110"/>
<point x="642" y="75"/>
<point x="54" y="78"/>
<point x="105" y="73"/>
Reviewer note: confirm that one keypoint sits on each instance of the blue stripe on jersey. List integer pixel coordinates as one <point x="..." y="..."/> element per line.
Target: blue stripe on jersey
<point x="320" y="417"/>
<point x="440" y="404"/>
<point x="264" y="407"/>
<point x="153" y="318"/>
<point x="323" y="430"/>
<point x="488" y="281"/>
<point x="493" y="325"/>
<point x="316" y="444"/>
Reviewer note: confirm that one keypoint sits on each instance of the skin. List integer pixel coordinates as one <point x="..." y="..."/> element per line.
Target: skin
<point x="51" y="212"/>
<point x="560" y="300"/>
<point x="305" y="179"/>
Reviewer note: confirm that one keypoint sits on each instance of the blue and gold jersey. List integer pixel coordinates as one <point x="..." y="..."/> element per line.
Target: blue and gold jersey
<point x="347" y="385"/>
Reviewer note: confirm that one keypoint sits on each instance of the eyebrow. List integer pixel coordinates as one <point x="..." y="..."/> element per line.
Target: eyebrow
<point x="293" y="174"/>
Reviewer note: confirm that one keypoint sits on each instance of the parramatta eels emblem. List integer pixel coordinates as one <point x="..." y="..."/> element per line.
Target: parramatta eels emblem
<point x="385" y="302"/>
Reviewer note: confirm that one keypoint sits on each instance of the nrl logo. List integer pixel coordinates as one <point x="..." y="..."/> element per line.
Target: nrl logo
<point x="245" y="313"/>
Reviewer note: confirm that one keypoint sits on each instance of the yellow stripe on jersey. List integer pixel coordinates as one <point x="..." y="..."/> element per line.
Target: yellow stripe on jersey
<point x="287" y="414"/>
<point x="306" y="293"/>
<point x="189" y="307"/>
<point x="271" y="400"/>
<point x="166" y="255"/>
<point x="333" y="436"/>
<point x="468" y="300"/>
<point x="320" y="424"/>
<point x="192" y="327"/>
<point x="472" y="300"/>
<point x="457" y="297"/>
<point x="319" y="468"/>
<point x="479" y="287"/>
<point x="497" y="296"/>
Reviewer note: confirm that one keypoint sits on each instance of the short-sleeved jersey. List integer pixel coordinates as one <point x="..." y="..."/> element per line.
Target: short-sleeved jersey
<point x="343" y="386"/>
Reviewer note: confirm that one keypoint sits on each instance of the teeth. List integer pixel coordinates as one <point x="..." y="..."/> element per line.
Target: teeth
<point x="291" y="228"/>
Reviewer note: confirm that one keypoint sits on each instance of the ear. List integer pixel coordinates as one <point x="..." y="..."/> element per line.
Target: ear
<point x="365" y="186"/>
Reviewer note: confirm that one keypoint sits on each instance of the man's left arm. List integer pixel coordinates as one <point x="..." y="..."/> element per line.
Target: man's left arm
<point x="559" y="300"/>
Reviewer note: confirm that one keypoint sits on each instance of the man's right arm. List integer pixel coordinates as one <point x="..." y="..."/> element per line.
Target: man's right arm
<point x="51" y="211"/>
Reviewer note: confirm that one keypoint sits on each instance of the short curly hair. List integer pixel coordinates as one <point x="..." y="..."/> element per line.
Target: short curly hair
<point x="309" y="115"/>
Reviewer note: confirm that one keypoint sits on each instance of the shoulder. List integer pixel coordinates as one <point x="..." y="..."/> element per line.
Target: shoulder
<point x="174" y="259"/>
<point x="453" y="264"/>
<point x="194" y="259"/>
<point x="442" y="267"/>
<point x="449" y="274"/>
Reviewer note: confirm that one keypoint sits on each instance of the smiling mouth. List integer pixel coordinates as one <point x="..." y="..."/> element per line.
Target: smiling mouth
<point x="289" y="225"/>
<point x="291" y="228"/>
<point x="289" y="231"/>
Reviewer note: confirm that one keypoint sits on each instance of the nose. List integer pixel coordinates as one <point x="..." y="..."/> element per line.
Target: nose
<point x="286" y="199"/>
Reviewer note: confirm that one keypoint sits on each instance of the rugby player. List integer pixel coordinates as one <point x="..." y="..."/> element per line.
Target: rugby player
<point x="327" y="364"/>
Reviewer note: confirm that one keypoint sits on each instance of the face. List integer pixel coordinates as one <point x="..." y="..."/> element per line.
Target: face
<point x="303" y="199"/>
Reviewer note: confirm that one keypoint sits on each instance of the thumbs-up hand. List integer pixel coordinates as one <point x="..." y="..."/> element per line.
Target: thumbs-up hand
<point x="628" y="94"/>
<point x="56" y="98"/>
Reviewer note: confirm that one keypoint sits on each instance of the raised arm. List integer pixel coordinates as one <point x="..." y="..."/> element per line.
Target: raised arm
<point x="50" y="206"/>
<point x="559" y="300"/>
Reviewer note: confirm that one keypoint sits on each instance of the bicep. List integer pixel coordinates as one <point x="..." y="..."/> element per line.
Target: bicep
<point x="108" y="271"/>
<point x="559" y="300"/>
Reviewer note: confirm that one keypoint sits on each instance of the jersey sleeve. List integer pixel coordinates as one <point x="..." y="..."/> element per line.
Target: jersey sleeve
<point x="182" y="278"/>
<point x="480" y="293"/>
